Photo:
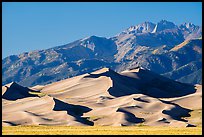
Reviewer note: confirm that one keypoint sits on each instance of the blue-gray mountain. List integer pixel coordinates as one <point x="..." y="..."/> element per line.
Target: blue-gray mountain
<point x="174" y="51"/>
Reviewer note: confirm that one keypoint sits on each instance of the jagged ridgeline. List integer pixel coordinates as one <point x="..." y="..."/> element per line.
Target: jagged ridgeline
<point x="174" y="51"/>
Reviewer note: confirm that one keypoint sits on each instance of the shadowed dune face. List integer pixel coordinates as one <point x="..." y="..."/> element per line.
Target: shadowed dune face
<point x="142" y="100"/>
<point x="120" y="85"/>
<point x="177" y="112"/>
<point x="144" y="82"/>
<point x="15" y="91"/>
<point x="104" y="98"/>
<point x="154" y="85"/>
<point x="43" y="111"/>
<point x="130" y="117"/>
<point x="73" y="110"/>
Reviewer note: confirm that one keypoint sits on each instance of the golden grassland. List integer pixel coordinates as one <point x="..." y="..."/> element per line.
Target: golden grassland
<point x="99" y="130"/>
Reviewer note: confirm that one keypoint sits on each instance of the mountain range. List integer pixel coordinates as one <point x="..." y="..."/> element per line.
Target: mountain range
<point x="174" y="51"/>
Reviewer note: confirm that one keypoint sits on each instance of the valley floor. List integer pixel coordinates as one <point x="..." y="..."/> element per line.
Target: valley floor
<point x="100" y="130"/>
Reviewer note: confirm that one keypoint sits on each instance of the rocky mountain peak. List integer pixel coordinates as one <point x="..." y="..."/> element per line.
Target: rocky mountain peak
<point x="163" y="25"/>
<point x="144" y="27"/>
<point x="188" y="26"/>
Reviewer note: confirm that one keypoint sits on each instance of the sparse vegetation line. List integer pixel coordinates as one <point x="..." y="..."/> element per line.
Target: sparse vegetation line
<point x="99" y="130"/>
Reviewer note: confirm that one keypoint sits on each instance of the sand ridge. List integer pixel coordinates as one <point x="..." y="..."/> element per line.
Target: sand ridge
<point x="103" y="97"/>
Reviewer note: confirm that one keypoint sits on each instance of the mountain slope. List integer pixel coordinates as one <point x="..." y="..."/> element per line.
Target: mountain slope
<point x="175" y="62"/>
<point x="164" y="48"/>
<point x="45" y="66"/>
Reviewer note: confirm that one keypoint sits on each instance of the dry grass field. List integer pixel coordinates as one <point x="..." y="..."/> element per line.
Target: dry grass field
<point x="99" y="130"/>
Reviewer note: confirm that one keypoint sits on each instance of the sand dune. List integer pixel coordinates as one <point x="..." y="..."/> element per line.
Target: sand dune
<point x="105" y="98"/>
<point x="41" y="111"/>
<point x="13" y="91"/>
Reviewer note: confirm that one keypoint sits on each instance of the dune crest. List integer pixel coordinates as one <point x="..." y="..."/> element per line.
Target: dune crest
<point x="106" y="98"/>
